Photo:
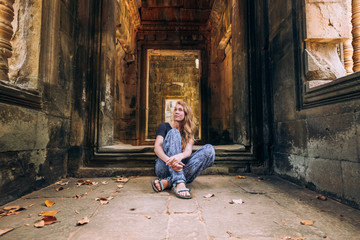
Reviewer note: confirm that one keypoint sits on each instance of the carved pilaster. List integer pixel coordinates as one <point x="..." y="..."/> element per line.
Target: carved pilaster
<point x="356" y="33"/>
<point x="6" y="32"/>
<point x="348" y="56"/>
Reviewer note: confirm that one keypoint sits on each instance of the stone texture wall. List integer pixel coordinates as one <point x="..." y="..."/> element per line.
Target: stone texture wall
<point x="35" y="144"/>
<point x="328" y="27"/>
<point x="319" y="146"/>
<point x="125" y="85"/>
<point x="24" y="63"/>
<point x="221" y="121"/>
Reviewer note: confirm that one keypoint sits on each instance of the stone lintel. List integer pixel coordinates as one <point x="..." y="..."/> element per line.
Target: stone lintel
<point x="325" y="40"/>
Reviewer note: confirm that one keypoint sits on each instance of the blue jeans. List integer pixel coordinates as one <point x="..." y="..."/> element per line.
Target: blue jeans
<point x="194" y="165"/>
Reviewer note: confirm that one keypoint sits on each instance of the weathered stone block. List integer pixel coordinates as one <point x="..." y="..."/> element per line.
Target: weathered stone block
<point x="67" y="21"/>
<point x="161" y="36"/>
<point x="25" y="61"/>
<point x="290" y="165"/>
<point x="19" y="173"/>
<point x="332" y="137"/>
<point x="325" y="174"/>
<point x="291" y="137"/>
<point x="279" y="12"/>
<point x="22" y="129"/>
<point x="59" y="131"/>
<point x="150" y="37"/>
<point x="281" y="44"/>
<point x="328" y="19"/>
<point x="281" y="163"/>
<point x="55" y="165"/>
<point x="285" y="104"/>
<point x="351" y="179"/>
<point x="323" y="62"/>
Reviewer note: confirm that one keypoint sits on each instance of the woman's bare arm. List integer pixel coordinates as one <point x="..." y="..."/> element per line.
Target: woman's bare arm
<point x="158" y="148"/>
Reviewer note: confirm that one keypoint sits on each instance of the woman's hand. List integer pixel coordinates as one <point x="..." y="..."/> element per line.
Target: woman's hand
<point x="175" y="162"/>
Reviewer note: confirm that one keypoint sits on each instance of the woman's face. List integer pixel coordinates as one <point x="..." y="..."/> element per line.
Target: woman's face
<point x="179" y="113"/>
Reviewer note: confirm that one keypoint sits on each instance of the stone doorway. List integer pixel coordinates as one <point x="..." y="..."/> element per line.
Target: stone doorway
<point x="151" y="59"/>
<point x="172" y="75"/>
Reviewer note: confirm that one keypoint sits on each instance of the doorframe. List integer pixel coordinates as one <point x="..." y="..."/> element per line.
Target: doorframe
<point x="143" y="47"/>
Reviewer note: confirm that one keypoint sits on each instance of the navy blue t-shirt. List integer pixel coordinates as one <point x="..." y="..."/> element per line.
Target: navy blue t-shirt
<point x="163" y="129"/>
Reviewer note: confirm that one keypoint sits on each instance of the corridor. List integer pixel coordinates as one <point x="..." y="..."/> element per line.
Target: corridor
<point x="271" y="208"/>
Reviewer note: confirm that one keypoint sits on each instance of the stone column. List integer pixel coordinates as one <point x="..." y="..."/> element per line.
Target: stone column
<point x="348" y="56"/>
<point x="356" y="33"/>
<point x="6" y="32"/>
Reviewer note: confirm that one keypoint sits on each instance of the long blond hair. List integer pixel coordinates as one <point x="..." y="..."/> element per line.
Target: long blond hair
<point x="189" y="127"/>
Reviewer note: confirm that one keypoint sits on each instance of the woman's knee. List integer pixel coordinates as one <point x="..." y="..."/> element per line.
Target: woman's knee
<point x="174" y="132"/>
<point x="209" y="151"/>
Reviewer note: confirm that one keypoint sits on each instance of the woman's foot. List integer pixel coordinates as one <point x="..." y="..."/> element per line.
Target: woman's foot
<point x="161" y="187"/>
<point x="185" y="194"/>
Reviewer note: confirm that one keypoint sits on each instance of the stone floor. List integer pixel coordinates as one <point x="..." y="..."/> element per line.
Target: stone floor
<point x="272" y="208"/>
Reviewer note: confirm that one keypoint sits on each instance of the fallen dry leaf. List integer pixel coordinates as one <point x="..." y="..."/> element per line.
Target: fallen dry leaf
<point x="209" y="195"/>
<point x="14" y="208"/>
<point x="80" y="196"/>
<point x="236" y="201"/>
<point x="122" y="180"/>
<point x="39" y="224"/>
<point x="148" y="217"/>
<point x="104" y="182"/>
<point x="61" y="183"/>
<point x="11" y="210"/>
<point x="241" y="177"/>
<point x="26" y="224"/>
<point x="321" y="197"/>
<point x="77" y="212"/>
<point x="49" y="220"/>
<point x="49" y="203"/>
<point x="50" y="213"/>
<point x="120" y="185"/>
<point x="104" y="200"/>
<point x="3" y="231"/>
<point x="230" y="233"/>
<point x="59" y="189"/>
<point x="88" y="182"/>
<point x="307" y="222"/>
<point x="83" y="221"/>
<point x="80" y="182"/>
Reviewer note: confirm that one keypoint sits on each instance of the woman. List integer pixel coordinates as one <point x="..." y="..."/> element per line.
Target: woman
<point x="175" y="164"/>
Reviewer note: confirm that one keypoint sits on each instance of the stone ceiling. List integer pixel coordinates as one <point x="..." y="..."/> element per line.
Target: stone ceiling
<point x="183" y="12"/>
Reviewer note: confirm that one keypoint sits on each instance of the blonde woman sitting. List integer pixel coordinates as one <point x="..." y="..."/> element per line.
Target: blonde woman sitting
<point x="175" y="164"/>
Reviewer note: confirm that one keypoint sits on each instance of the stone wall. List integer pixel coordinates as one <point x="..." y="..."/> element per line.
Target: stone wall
<point x="125" y="85"/>
<point x="328" y="27"/>
<point x="35" y="141"/>
<point x="24" y="63"/>
<point x="220" y="77"/>
<point x="318" y="146"/>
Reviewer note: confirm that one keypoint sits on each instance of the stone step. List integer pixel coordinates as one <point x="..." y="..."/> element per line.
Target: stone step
<point x="140" y="160"/>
